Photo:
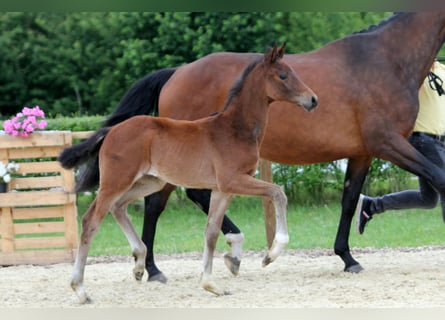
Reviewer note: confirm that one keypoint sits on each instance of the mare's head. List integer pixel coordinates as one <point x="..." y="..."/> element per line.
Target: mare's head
<point x="283" y="84"/>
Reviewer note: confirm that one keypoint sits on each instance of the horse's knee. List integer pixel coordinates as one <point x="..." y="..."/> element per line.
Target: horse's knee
<point x="278" y="195"/>
<point x="211" y="236"/>
<point x="140" y="252"/>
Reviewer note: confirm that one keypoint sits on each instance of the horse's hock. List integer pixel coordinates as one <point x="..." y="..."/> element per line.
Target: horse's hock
<point x="38" y="213"/>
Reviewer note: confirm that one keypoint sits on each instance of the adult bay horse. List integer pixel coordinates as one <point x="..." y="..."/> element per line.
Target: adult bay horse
<point x="141" y="155"/>
<point x="367" y="84"/>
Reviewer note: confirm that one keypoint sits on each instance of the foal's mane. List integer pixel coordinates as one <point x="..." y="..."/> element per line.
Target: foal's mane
<point x="384" y="22"/>
<point x="238" y="84"/>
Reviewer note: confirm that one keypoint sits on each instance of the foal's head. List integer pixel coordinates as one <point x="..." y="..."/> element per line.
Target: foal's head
<point x="283" y="84"/>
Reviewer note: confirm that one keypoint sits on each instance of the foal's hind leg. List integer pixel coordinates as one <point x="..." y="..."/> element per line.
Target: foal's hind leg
<point x="90" y="225"/>
<point x="234" y="236"/>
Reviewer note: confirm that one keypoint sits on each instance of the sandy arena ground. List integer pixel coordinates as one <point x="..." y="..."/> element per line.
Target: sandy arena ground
<point x="405" y="277"/>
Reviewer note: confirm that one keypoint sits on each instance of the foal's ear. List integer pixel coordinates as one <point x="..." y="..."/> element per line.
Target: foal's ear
<point x="271" y="55"/>
<point x="281" y="50"/>
<point x="274" y="54"/>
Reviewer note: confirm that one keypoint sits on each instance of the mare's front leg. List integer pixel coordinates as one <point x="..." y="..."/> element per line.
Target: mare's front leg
<point x="234" y="236"/>
<point x="218" y="205"/>
<point x="355" y="176"/>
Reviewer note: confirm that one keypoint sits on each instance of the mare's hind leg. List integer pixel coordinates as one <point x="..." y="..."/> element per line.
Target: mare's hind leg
<point x="354" y="178"/>
<point x="154" y="206"/>
<point x="218" y="204"/>
<point x="90" y="224"/>
<point x="234" y="236"/>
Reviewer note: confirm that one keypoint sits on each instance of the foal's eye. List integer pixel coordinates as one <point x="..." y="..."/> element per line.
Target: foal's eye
<point x="283" y="76"/>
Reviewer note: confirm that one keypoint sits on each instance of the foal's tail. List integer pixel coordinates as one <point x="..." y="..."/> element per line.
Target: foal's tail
<point x="142" y="98"/>
<point x="85" y="151"/>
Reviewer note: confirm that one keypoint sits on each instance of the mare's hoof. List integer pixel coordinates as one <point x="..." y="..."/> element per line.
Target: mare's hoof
<point x="232" y="263"/>
<point x="160" y="277"/>
<point x="356" y="268"/>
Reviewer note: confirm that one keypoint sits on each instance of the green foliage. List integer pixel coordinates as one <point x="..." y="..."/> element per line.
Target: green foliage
<point x="83" y="62"/>
<point x="309" y="184"/>
<point x="75" y="123"/>
<point x="384" y="177"/>
<point x="323" y="182"/>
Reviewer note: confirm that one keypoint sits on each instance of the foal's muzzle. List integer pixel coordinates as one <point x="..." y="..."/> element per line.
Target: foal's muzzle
<point x="309" y="102"/>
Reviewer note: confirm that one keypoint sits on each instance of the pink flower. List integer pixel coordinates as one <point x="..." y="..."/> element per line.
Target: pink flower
<point x="42" y="124"/>
<point x="7" y="125"/>
<point x="25" y="122"/>
<point x="27" y="111"/>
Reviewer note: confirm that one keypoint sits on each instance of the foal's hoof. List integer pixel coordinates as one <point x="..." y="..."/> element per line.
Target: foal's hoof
<point x="160" y="277"/>
<point x="232" y="263"/>
<point x="81" y="294"/>
<point x="356" y="268"/>
<point x="211" y="287"/>
<point x="138" y="274"/>
<point x="86" y="300"/>
<point x="267" y="260"/>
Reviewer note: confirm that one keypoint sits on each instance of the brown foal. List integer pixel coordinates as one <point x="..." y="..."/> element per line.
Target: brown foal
<point x="139" y="156"/>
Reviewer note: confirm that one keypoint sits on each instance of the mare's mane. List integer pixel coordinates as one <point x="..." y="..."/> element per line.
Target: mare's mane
<point x="382" y="23"/>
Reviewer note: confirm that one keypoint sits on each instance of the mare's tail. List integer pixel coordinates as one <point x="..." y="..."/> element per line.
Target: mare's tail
<point x="142" y="98"/>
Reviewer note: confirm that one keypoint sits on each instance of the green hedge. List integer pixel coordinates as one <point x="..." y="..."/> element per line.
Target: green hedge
<point x="75" y="123"/>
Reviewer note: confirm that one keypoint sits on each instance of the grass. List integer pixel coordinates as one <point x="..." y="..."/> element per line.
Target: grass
<point x="181" y="227"/>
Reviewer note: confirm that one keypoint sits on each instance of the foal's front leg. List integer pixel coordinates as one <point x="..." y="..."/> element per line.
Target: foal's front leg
<point x="138" y="248"/>
<point x="218" y="204"/>
<point x="247" y="185"/>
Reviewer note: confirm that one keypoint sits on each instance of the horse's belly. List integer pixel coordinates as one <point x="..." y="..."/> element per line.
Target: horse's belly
<point x="184" y="172"/>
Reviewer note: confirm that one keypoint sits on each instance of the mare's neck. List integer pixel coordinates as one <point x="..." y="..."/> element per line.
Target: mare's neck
<point x="415" y="40"/>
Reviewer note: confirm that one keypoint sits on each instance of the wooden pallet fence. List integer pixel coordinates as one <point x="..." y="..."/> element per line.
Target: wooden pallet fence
<point x="38" y="213"/>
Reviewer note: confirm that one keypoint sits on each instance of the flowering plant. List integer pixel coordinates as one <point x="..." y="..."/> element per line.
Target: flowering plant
<point x="25" y="122"/>
<point x="6" y="170"/>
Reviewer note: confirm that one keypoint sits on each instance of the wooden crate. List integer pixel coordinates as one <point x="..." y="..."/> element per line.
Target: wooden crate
<point x="38" y="213"/>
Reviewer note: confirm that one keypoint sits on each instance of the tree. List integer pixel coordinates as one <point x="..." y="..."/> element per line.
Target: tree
<point x="84" y="62"/>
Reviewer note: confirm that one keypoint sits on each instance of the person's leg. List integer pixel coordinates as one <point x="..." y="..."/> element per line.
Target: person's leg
<point x="424" y="198"/>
